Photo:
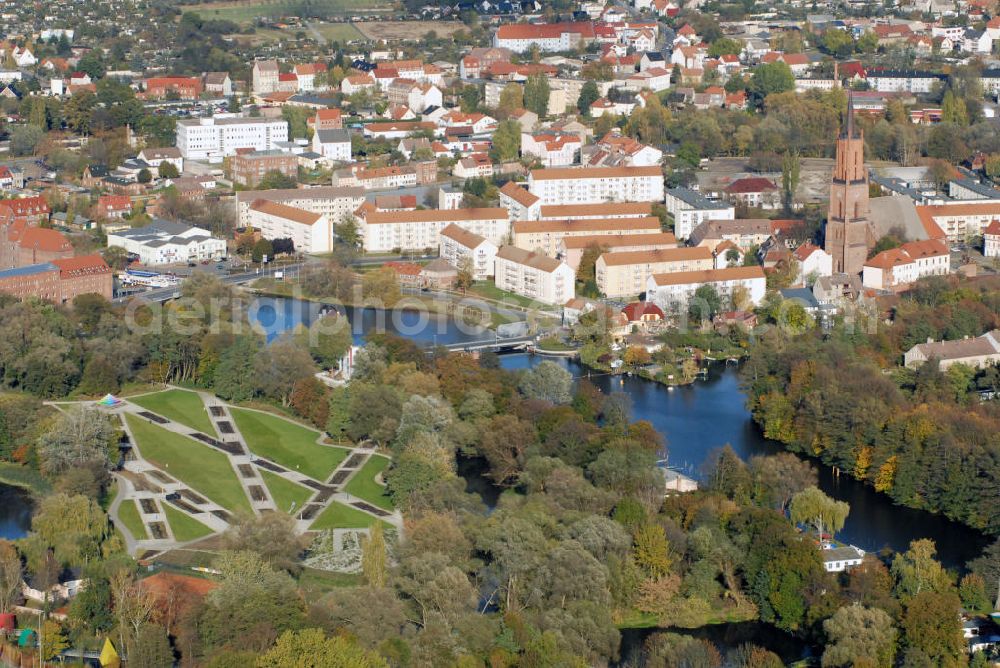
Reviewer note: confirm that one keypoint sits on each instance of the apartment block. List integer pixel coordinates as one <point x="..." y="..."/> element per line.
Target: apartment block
<point x="219" y="137"/>
<point x="596" y="185"/>
<point x="333" y="202"/>
<point x="676" y="289"/>
<point x="384" y="231"/>
<point x="310" y="232"/>
<point x="690" y="209"/>
<point x="460" y="248"/>
<point x="624" y="274"/>
<point x="250" y="168"/>
<point x="543" y="236"/>
<point x="533" y="275"/>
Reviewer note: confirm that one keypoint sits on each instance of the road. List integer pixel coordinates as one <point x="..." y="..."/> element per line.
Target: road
<point x="164" y="294"/>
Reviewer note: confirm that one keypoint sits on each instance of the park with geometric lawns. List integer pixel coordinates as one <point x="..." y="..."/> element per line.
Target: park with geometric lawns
<point x="196" y="464"/>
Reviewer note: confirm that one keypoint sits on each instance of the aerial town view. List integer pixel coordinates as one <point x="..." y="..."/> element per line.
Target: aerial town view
<point x="500" y="333"/>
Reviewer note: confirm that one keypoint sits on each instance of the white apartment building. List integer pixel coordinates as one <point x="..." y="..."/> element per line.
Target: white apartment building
<point x="332" y="144"/>
<point x="310" y="232"/>
<point x="165" y="242"/>
<point x="597" y="184"/>
<point x="544" y="236"/>
<point x="991" y="239"/>
<point x="690" y="209"/>
<point x="665" y="290"/>
<point x="624" y="274"/>
<point x="459" y="246"/>
<point x="533" y="275"/>
<point x="958" y="222"/>
<point x="903" y="81"/>
<point x="385" y="231"/>
<point x="333" y="202"/>
<point x="520" y="204"/>
<point x="604" y="210"/>
<point x="521" y="37"/>
<point x="218" y="137"/>
<point x="898" y="267"/>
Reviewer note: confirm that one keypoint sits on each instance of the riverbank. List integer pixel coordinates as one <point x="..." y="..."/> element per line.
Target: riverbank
<point x="22" y="477"/>
<point x="697" y="419"/>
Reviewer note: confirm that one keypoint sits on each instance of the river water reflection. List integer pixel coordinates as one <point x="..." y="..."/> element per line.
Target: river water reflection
<point x="698" y="418"/>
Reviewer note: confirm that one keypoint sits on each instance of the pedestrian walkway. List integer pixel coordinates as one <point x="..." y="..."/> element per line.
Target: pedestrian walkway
<point x="151" y="488"/>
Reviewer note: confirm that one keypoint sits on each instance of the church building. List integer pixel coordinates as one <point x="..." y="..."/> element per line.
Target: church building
<point x="849" y="233"/>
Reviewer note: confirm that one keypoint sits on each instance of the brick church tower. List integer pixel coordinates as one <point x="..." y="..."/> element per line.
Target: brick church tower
<point x="848" y="232"/>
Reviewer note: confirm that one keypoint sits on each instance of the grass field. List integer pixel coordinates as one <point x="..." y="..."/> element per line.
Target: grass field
<point x="363" y="485"/>
<point x="338" y="32"/>
<point x="184" y="526"/>
<point x="284" y="492"/>
<point x="249" y="10"/>
<point x="291" y="445"/>
<point x="205" y="470"/>
<point x="339" y="516"/>
<point x="128" y="513"/>
<point x="408" y="30"/>
<point x="180" y="406"/>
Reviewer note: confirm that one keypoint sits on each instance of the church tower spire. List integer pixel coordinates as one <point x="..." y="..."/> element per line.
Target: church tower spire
<point x="848" y="231"/>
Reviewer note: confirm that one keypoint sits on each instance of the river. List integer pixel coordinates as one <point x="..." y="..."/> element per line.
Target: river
<point x="15" y="512"/>
<point x="695" y="419"/>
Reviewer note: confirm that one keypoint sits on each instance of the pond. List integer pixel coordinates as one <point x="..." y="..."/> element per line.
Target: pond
<point x="16" y="507"/>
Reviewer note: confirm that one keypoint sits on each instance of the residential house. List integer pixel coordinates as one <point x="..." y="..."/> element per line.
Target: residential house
<point x="533" y="275"/>
<point x="464" y="249"/>
<point x="979" y="352"/>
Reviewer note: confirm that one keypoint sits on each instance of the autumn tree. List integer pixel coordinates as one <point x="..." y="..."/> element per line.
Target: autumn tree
<point x="506" y="141"/>
<point x="310" y="647"/>
<point x="916" y="571"/>
<point x="549" y="382"/>
<point x="511" y="99"/>
<point x="932" y="628"/>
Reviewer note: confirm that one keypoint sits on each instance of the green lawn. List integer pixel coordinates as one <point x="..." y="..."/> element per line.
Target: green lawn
<point x="289" y="444"/>
<point x="128" y="513"/>
<point x="488" y="290"/>
<point x="338" y="32"/>
<point x="284" y="491"/>
<point x="205" y="470"/>
<point x="363" y="485"/>
<point x="184" y="526"/>
<point x="180" y="406"/>
<point x="339" y="516"/>
<point x="246" y="12"/>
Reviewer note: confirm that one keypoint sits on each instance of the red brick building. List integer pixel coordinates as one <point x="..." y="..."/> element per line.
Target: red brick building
<point x="59" y="281"/>
<point x="250" y="168"/>
<point x="186" y="88"/>
<point x="33" y="245"/>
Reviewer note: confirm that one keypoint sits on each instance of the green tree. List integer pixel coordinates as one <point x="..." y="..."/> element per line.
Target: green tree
<point x="705" y="304"/>
<point x="867" y="43"/>
<point x="151" y="648"/>
<point x="72" y="527"/>
<point x="932" y="626"/>
<point x="469" y="99"/>
<point x="262" y="248"/>
<point x="536" y="94"/>
<point x="589" y="94"/>
<point x="347" y="231"/>
<point x="273" y="180"/>
<point x="24" y="139"/>
<point x="53" y="640"/>
<point x="771" y="78"/>
<point x="652" y="551"/>
<point x="953" y="109"/>
<point x="167" y="170"/>
<point x="144" y="176"/>
<point x="855" y="633"/>
<point x="916" y="571"/>
<point x="234" y="379"/>
<point x="309" y="647"/>
<point x="812" y="506"/>
<point x="725" y="46"/>
<point x="506" y="141"/>
<point x="511" y="99"/>
<point x="548" y="382"/>
<point x="790" y="167"/>
<point x="838" y="42"/>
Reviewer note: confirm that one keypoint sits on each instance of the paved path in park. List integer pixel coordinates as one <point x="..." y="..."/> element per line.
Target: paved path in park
<point x="151" y="487"/>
